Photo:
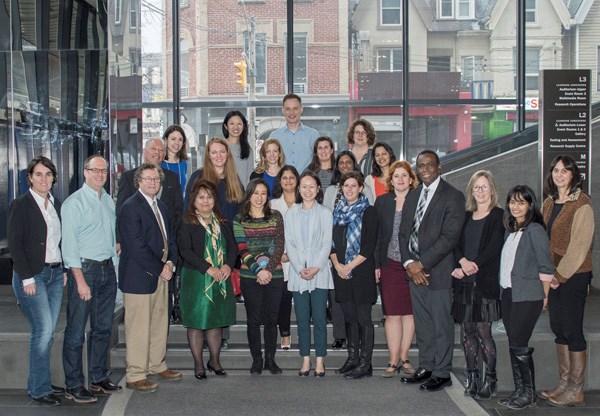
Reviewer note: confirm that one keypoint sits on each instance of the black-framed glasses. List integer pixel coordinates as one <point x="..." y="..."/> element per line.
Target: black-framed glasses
<point x="96" y="170"/>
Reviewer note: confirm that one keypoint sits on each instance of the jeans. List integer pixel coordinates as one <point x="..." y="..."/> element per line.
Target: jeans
<point x="42" y="310"/>
<point x="312" y="304"/>
<point x="99" y="309"/>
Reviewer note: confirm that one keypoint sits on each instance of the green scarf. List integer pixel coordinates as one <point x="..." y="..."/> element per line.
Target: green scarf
<point x="213" y="254"/>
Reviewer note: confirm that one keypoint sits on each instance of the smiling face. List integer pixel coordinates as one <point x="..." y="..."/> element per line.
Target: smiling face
<point x="401" y="180"/>
<point x="259" y="197"/>
<point x="235" y="126"/>
<point x="174" y="142"/>
<point x="288" y="181"/>
<point x="324" y="151"/>
<point x="351" y="190"/>
<point x="292" y="110"/>
<point x="149" y="183"/>
<point x="518" y="208"/>
<point x="204" y="203"/>
<point x="345" y="164"/>
<point x="96" y="180"/>
<point x="482" y="191"/>
<point x="561" y="176"/>
<point x="41" y="180"/>
<point x="308" y="189"/>
<point x="154" y="152"/>
<point x="217" y="154"/>
<point x="360" y="136"/>
<point x="382" y="157"/>
<point x="427" y="168"/>
<point x="272" y="154"/>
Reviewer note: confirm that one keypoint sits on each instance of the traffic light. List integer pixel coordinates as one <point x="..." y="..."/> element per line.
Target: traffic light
<point x="241" y="73"/>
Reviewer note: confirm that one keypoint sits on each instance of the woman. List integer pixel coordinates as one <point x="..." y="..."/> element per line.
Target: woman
<point x="323" y="160"/>
<point x="308" y="244"/>
<point x="390" y="274"/>
<point x="284" y="197"/>
<point x="476" y="293"/>
<point x="354" y="239"/>
<point x="209" y="252"/>
<point x="259" y="235"/>
<point x="526" y="271"/>
<point x="34" y="235"/>
<point x="384" y="157"/>
<point x="176" y="155"/>
<point x="569" y="217"/>
<point x="272" y="160"/>
<point x="361" y="136"/>
<point x="235" y="130"/>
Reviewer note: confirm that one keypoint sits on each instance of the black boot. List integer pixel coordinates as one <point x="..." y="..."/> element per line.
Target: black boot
<point x="528" y="396"/>
<point x="472" y="383"/>
<point x="364" y="368"/>
<point x="352" y="342"/>
<point x="516" y="377"/>
<point x="271" y="365"/>
<point x="257" y="365"/>
<point x="489" y="388"/>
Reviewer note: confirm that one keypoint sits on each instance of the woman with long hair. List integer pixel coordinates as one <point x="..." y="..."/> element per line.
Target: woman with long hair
<point x="235" y="131"/>
<point x="323" y="160"/>
<point x="209" y="252"/>
<point x="176" y="153"/>
<point x="344" y="162"/>
<point x="384" y="156"/>
<point x="361" y="136"/>
<point x="259" y="234"/>
<point x="272" y="160"/>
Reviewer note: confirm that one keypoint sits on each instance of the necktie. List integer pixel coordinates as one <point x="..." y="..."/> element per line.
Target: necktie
<point x="162" y="231"/>
<point x="413" y="242"/>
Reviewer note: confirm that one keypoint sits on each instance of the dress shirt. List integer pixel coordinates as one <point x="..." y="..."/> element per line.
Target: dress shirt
<point x="297" y="146"/>
<point x="507" y="262"/>
<point x="151" y="202"/>
<point x="52" y="225"/>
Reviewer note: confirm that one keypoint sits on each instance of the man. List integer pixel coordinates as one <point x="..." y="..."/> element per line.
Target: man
<point x="297" y="140"/>
<point x="88" y="244"/>
<point x="148" y="254"/>
<point x="433" y="216"/>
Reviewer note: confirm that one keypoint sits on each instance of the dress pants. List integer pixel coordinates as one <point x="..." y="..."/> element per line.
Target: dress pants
<point x="312" y="305"/>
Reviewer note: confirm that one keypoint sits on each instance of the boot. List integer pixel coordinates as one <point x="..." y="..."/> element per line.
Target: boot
<point x="562" y="352"/>
<point x="257" y="365"/>
<point x="528" y="396"/>
<point x="517" y="380"/>
<point x="364" y="368"/>
<point x="352" y="340"/>
<point x="271" y="365"/>
<point x="489" y="388"/>
<point x="573" y="394"/>
<point x="472" y="383"/>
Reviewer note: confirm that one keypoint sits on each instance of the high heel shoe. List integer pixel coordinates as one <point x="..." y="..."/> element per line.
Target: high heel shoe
<point x="319" y="374"/>
<point x="219" y="372"/>
<point x="304" y="373"/>
<point x="200" y="376"/>
<point x="287" y="345"/>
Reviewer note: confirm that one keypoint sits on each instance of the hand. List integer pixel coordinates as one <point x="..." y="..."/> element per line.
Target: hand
<point x="167" y="271"/>
<point x="458" y="273"/>
<point x="377" y="275"/>
<point x="469" y="267"/>
<point x="225" y="272"/>
<point x="119" y="249"/>
<point x="545" y="303"/>
<point x="554" y="284"/>
<point x="345" y="271"/>
<point x="284" y="258"/>
<point x="308" y="273"/>
<point x="84" y="291"/>
<point x="264" y="277"/>
<point x="214" y="273"/>
<point x="29" y="289"/>
<point x="416" y="272"/>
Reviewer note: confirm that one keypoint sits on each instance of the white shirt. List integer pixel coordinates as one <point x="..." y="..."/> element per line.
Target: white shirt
<point x="151" y="202"/>
<point x="509" y="251"/>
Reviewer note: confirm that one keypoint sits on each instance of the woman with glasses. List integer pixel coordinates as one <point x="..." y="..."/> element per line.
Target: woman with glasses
<point x="361" y="136"/>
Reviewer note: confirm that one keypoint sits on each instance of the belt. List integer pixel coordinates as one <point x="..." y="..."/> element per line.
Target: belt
<point x="106" y="262"/>
<point x="53" y="265"/>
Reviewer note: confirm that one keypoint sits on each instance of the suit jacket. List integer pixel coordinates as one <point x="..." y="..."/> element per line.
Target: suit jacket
<point x="191" y="241"/>
<point x="438" y="234"/>
<point x="386" y="209"/>
<point x="27" y="233"/>
<point x="171" y="196"/>
<point x="142" y="245"/>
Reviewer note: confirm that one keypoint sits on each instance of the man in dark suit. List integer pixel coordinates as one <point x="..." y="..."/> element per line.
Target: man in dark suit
<point x="431" y="224"/>
<point x="148" y="255"/>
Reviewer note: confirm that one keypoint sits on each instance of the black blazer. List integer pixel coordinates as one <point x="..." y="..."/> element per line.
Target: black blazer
<point x="171" y="196"/>
<point x="386" y="209"/>
<point x="438" y="234"/>
<point x="191" y="241"/>
<point x="27" y="235"/>
<point x="488" y="255"/>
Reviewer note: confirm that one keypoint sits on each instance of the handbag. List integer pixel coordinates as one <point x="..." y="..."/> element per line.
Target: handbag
<point x="235" y="282"/>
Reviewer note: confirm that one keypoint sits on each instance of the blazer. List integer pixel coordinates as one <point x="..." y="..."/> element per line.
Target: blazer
<point x="438" y="234"/>
<point x="386" y="209"/>
<point x="191" y="241"/>
<point x="27" y="233"/>
<point x="171" y="196"/>
<point x="142" y="245"/>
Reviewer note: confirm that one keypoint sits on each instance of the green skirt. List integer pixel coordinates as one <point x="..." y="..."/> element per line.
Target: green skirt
<point x="200" y="310"/>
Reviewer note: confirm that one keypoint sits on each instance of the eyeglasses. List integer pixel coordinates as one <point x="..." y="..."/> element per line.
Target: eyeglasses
<point x="360" y="133"/>
<point x="149" y="179"/>
<point x="482" y="188"/>
<point x="96" y="171"/>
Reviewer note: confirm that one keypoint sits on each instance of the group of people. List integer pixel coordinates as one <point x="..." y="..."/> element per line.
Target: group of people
<point x="308" y="227"/>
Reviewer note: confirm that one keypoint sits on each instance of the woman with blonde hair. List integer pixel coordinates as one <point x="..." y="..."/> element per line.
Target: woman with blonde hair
<point x="272" y="159"/>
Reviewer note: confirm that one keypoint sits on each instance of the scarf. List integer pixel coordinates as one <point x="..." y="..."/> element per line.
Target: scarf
<point x="351" y="216"/>
<point x="213" y="254"/>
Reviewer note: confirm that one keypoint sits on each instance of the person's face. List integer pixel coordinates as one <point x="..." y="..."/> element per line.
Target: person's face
<point x="324" y="151"/>
<point x="288" y="181"/>
<point x="428" y="169"/>
<point x="217" y="155"/>
<point x="360" y="136"/>
<point x="482" y="191"/>
<point x="259" y="197"/>
<point x="272" y="153"/>
<point x="149" y="182"/>
<point x="382" y="157"/>
<point x="401" y="180"/>
<point x="561" y="176"/>
<point x="204" y="203"/>
<point x="292" y="110"/>
<point x="154" y="152"/>
<point x="518" y="208"/>
<point x="41" y="180"/>
<point x="351" y="190"/>
<point x="235" y="126"/>
<point x="345" y="164"/>
<point x="174" y="142"/>
<point x="308" y="189"/>
<point x="95" y="175"/>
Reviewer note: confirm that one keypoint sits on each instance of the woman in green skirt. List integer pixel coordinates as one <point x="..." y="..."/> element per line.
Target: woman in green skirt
<point x="209" y="253"/>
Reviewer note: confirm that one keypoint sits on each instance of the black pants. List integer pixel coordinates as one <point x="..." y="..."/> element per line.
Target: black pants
<point x="566" y="305"/>
<point x="262" y="306"/>
<point x="337" y="317"/>
<point x="519" y="318"/>
<point x="285" y="311"/>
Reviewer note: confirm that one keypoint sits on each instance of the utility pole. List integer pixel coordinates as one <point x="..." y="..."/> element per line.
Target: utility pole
<point x="251" y="110"/>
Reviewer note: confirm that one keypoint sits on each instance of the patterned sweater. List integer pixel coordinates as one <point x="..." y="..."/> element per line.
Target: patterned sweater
<point x="261" y="244"/>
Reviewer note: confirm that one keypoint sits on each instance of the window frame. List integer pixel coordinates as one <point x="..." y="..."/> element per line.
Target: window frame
<point x="389" y="9"/>
<point x="441" y="4"/>
<point x="118" y="11"/>
<point x="531" y="11"/>
<point x="133" y="15"/>
<point x="392" y="53"/>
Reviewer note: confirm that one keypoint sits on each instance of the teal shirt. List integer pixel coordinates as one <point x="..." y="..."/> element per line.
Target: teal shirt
<point x="88" y="227"/>
<point x="298" y="146"/>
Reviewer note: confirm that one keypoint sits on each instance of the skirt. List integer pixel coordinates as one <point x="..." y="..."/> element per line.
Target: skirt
<point x="202" y="304"/>
<point x="395" y="290"/>
<point x="467" y="307"/>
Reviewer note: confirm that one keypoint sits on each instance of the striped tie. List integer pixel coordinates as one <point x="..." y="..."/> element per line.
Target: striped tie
<point x="413" y="242"/>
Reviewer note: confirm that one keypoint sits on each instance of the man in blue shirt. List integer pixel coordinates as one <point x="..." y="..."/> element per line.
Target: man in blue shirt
<point x="89" y="246"/>
<point x="297" y="140"/>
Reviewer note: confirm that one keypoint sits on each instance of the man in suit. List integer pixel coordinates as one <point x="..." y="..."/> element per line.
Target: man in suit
<point x="148" y="255"/>
<point x="431" y="224"/>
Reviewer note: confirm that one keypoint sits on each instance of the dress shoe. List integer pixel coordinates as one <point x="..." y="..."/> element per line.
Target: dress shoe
<point x="200" y="376"/>
<point x="218" y="372"/>
<point x="304" y="373"/>
<point x="420" y="375"/>
<point x="319" y="374"/>
<point x="406" y="368"/>
<point x="338" y="344"/>
<point x="436" y="383"/>
<point x="80" y="395"/>
<point x="144" y="386"/>
<point x="386" y="373"/>
<point x="257" y="365"/>
<point x="105" y="386"/>
<point x="287" y="344"/>
<point x="170" y="375"/>
<point x="56" y="390"/>
<point x="49" y="399"/>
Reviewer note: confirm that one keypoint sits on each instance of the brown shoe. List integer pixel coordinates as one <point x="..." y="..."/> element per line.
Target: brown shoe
<point x="170" y="375"/>
<point x="145" y="386"/>
<point x="564" y="368"/>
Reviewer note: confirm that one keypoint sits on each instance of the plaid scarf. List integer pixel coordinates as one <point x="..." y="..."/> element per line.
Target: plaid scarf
<point x="351" y="216"/>
<point x="213" y="254"/>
